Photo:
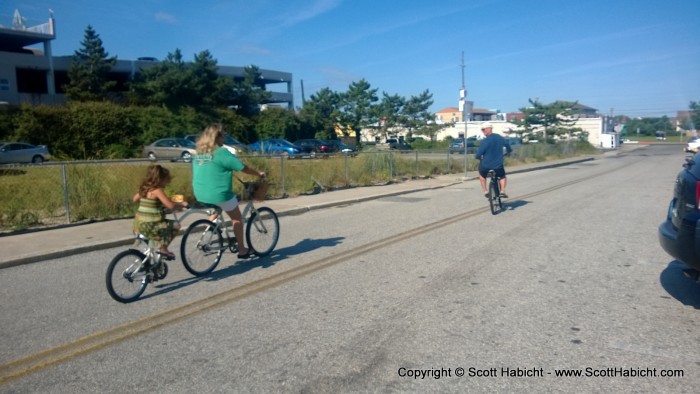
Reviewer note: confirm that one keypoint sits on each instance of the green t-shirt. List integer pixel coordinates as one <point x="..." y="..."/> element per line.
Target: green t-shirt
<point x="212" y="175"/>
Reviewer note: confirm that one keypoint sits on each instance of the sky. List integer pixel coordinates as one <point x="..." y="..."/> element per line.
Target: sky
<point x="622" y="57"/>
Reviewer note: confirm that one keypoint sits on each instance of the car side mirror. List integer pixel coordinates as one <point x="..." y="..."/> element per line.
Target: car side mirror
<point x="689" y="162"/>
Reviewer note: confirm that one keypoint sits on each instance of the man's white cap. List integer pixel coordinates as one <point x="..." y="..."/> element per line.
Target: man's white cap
<point x="486" y="125"/>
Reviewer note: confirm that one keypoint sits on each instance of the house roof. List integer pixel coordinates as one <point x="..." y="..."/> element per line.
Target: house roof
<point x="475" y="110"/>
<point x="448" y="110"/>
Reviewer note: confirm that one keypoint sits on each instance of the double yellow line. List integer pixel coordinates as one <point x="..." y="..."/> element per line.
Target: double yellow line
<point x="32" y="363"/>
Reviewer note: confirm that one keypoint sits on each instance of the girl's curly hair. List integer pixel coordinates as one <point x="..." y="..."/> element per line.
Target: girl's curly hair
<point x="155" y="176"/>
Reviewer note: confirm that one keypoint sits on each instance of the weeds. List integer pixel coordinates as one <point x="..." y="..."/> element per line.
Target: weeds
<point x="35" y="196"/>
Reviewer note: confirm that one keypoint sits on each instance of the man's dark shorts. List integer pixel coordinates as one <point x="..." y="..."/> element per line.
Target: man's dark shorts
<point x="500" y="172"/>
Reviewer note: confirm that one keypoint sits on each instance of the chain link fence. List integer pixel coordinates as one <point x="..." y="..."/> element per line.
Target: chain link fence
<point x="54" y="194"/>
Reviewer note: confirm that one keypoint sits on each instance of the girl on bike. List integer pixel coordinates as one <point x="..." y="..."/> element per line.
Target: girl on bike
<point x="212" y="178"/>
<point x="150" y="220"/>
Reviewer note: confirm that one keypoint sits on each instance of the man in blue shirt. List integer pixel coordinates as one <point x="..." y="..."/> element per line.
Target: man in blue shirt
<point x="490" y="155"/>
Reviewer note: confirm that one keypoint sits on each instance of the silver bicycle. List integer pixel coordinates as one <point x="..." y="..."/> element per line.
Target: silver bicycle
<point x="205" y="240"/>
<point x="130" y="272"/>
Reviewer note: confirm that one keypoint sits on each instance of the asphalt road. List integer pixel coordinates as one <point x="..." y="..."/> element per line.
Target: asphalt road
<point x="391" y="295"/>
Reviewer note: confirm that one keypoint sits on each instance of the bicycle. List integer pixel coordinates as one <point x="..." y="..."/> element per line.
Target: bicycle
<point x="130" y="272"/>
<point x="205" y="240"/>
<point x="494" y="193"/>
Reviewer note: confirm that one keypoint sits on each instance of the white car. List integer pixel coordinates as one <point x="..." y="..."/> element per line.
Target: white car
<point x="693" y="145"/>
<point x="20" y="152"/>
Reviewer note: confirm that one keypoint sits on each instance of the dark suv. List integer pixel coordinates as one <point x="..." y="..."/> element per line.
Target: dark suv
<point x="316" y="145"/>
<point x="679" y="235"/>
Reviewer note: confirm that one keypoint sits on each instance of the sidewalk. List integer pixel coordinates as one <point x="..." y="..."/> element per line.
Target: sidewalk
<point x="31" y="247"/>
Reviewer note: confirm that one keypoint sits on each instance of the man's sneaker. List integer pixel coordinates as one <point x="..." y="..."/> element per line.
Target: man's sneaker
<point x="503" y="195"/>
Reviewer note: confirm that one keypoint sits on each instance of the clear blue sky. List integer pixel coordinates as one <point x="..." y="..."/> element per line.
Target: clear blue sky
<point x="632" y="57"/>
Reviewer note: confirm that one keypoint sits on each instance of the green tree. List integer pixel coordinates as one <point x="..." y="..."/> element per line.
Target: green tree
<point x="356" y="107"/>
<point x="695" y="115"/>
<point x="88" y="72"/>
<point x="321" y="114"/>
<point x="248" y="95"/>
<point x="276" y="122"/>
<point x="545" y="121"/>
<point x="649" y="126"/>
<point x="390" y="113"/>
<point x="175" y="84"/>
<point x="415" y="112"/>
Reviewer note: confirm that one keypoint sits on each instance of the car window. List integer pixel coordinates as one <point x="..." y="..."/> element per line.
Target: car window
<point x="186" y="143"/>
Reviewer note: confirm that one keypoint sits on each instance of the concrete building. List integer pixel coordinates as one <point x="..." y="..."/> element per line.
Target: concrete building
<point x="37" y="77"/>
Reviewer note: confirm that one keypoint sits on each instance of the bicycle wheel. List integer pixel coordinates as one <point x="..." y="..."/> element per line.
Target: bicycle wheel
<point x="126" y="276"/>
<point x="262" y="231"/>
<point x="493" y="196"/>
<point x="201" y="248"/>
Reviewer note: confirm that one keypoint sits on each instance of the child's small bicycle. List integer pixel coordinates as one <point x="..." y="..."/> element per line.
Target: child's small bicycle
<point x="203" y="244"/>
<point x="132" y="270"/>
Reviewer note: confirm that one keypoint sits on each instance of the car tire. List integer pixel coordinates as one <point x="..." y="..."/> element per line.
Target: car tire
<point x="186" y="157"/>
<point x="37" y="159"/>
<point x="152" y="156"/>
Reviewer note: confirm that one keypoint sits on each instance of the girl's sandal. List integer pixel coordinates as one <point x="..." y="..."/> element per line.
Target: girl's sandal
<point x="167" y="255"/>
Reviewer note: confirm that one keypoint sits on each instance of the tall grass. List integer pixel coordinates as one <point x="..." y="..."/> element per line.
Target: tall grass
<point x="34" y="196"/>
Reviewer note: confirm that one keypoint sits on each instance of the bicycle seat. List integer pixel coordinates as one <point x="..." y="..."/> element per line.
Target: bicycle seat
<point x="491" y="173"/>
<point x="204" y="205"/>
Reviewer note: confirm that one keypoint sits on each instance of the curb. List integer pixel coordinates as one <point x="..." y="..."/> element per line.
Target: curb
<point x="122" y="241"/>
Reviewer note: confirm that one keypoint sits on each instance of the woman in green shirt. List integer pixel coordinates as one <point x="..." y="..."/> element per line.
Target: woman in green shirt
<point x="212" y="178"/>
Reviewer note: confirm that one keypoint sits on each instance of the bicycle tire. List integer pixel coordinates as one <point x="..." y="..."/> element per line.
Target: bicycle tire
<point x="126" y="276"/>
<point x="493" y="195"/>
<point x="262" y="231"/>
<point x="201" y="251"/>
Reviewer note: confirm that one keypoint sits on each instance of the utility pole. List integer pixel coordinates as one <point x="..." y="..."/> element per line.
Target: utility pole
<point x="466" y="112"/>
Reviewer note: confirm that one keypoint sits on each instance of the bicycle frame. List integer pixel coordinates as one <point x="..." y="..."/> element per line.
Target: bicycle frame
<point x="495" y="202"/>
<point x="219" y="220"/>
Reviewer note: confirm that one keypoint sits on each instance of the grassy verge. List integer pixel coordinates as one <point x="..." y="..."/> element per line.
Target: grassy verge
<point x="49" y="195"/>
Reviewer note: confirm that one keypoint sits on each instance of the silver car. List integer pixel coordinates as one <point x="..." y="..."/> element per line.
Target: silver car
<point x="20" y="152"/>
<point x="170" y="148"/>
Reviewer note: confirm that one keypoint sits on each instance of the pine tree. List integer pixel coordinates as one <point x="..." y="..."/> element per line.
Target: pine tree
<point x="88" y="73"/>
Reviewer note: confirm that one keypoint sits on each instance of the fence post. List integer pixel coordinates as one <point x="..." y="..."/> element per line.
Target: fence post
<point x="284" y="191"/>
<point x="347" y="176"/>
<point x="391" y="165"/>
<point x="416" y="171"/>
<point x="66" y="202"/>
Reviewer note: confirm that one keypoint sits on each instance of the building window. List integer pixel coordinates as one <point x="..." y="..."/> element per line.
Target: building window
<point x="31" y="81"/>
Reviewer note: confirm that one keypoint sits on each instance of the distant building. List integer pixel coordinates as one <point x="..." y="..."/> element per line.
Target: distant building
<point x="453" y="114"/>
<point x="31" y="76"/>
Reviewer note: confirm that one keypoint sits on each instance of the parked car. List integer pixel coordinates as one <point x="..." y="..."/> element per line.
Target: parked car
<point x="693" y="145"/>
<point x="316" y="146"/>
<point x="231" y="143"/>
<point x="342" y="147"/>
<point x="457" y="145"/>
<point x="277" y="146"/>
<point x="20" y="152"/>
<point x="514" y="142"/>
<point x="679" y="235"/>
<point x="170" y="148"/>
<point x="398" y="144"/>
